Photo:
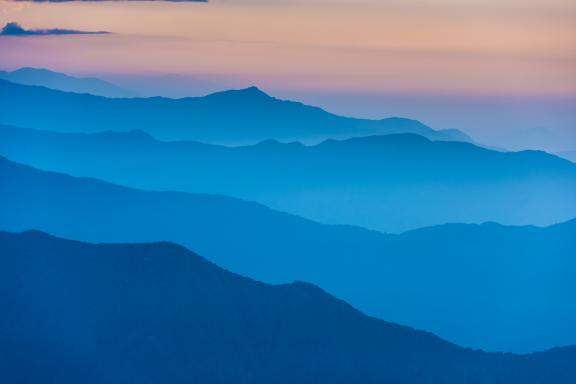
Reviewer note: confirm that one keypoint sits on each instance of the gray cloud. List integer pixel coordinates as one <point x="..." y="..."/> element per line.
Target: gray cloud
<point x="15" y="29"/>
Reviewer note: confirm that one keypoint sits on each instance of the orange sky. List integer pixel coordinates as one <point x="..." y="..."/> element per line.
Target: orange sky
<point x="507" y="46"/>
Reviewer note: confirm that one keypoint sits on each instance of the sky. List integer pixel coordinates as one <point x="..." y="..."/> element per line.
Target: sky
<point x="506" y="49"/>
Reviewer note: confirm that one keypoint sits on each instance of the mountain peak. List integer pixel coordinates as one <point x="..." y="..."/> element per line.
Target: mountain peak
<point x="250" y="93"/>
<point x="32" y="69"/>
<point x="253" y="90"/>
<point x="39" y="73"/>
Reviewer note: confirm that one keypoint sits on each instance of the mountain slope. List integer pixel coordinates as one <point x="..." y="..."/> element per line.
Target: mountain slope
<point x="489" y="286"/>
<point x="151" y="313"/>
<point x="62" y="82"/>
<point x="568" y="155"/>
<point x="390" y="183"/>
<point x="237" y="116"/>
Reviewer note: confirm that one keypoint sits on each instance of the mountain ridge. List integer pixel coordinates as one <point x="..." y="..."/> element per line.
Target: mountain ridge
<point x="390" y="183"/>
<point x="238" y="120"/>
<point x="66" y="83"/>
<point x="156" y="312"/>
<point x="387" y="276"/>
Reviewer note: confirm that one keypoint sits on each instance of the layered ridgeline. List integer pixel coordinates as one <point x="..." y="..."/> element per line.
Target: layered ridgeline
<point x="123" y="85"/>
<point x="60" y="81"/>
<point x="391" y="183"/>
<point x="488" y="286"/>
<point x="74" y="312"/>
<point x="239" y="116"/>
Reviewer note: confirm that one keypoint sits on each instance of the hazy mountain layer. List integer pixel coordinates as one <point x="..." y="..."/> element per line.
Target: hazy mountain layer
<point x="239" y="116"/>
<point x="62" y="82"/>
<point x="391" y="183"/>
<point x="489" y="286"/>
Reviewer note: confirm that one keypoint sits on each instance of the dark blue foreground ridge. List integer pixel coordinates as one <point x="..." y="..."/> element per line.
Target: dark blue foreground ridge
<point x="149" y="313"/>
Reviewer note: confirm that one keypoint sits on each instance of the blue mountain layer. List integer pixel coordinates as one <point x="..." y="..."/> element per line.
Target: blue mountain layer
<point x="487" y="286"/>
<point x="237" y="116"/>
<point x="390" y="183"/>
<point x="149" y="313"/>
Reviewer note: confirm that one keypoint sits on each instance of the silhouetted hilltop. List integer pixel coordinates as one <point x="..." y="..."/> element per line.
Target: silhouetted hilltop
<point x="489" y="286"/>
<point x="151" y="313"/>
<point x="390" y="183"/>
<point x="238" y="116"/>
<point x="247" y="95"/>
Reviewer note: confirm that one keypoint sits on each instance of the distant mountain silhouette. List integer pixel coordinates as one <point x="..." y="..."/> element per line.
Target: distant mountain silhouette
<point x="230" y="117"/>
<point x="62" y="82"/>
<point x="489" y="286"/>
<point x="157" y="313"/>
<point x="390" y="183"/>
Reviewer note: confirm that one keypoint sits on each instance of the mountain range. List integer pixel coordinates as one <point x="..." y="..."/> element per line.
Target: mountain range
<point x="63" y="82"/>
<point x="487" y="286"/>
<point x="390" y="183"/>
<point x="119" y="85"/>
<point x="230" y="117"/>
<point x="151" y="313"/>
